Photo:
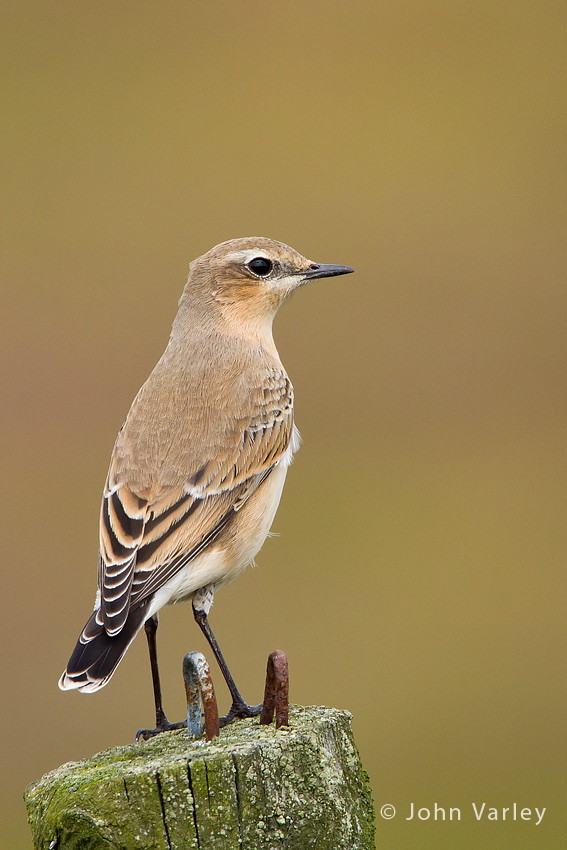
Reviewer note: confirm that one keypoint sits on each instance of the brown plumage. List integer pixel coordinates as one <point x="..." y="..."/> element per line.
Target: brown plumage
<point x="198" y="467"/>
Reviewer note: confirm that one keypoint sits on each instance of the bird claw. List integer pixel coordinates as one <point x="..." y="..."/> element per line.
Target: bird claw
<point x="240" y="709"/>
<point x="165" y="726"/>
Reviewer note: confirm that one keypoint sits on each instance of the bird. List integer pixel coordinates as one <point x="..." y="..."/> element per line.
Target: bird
<point x="199" y="464"/>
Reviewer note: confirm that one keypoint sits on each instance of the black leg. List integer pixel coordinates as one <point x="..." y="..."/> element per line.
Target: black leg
<point x="162" y="723"/>
<point x="238" y="708"/>
<point x="151" y="629"/>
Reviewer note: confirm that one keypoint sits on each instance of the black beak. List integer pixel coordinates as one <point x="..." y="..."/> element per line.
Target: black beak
<point x="321" y="270"/>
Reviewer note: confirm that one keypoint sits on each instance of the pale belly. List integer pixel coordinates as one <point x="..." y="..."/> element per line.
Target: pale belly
<point x="233" y="550"/>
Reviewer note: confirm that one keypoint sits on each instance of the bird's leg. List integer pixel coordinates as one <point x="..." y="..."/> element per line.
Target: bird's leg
<point x="162" y="723"/>
<point x="150" y="627"/>
<point x="201" y="606"/>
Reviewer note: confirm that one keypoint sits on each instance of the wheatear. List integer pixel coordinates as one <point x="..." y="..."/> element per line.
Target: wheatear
<point x="199" y="465"/>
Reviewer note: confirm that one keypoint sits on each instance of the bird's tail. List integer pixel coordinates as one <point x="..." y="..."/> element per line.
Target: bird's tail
<point x="97" y="654"/>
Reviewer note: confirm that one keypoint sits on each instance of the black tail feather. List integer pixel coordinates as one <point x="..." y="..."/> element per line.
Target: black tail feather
<point x="95" y="658"/>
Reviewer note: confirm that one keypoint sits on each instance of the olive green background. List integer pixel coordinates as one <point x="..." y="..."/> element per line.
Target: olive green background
<point x="419" y="578"/>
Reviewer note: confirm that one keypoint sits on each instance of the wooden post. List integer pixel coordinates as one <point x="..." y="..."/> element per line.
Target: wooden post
<point x="254" y="787"/>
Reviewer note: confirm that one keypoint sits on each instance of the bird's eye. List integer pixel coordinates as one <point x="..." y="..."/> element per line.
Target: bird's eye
<point x="260" y="266"/>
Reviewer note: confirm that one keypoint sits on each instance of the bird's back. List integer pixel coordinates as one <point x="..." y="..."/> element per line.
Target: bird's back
<point x="192" y="414"/>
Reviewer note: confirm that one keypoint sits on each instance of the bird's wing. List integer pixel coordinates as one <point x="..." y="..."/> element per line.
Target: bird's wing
<point x="148" y="535"/>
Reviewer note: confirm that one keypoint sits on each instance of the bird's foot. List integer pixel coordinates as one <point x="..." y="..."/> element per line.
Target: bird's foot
<point x="163" y="726"/>
<point x="237" y="709"/>
<point x="240" y="709"/>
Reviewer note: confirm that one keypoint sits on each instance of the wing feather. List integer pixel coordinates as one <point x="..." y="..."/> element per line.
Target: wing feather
<point x="148" y="533"/>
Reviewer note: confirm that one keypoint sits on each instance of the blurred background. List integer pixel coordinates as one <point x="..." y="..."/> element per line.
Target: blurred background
<point x="419" y="577"/>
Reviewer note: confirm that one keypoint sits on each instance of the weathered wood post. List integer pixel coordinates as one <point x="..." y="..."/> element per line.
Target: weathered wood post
<point x="253" y="788"/>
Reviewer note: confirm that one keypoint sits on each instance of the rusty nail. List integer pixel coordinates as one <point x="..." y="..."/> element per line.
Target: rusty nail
<point x="200" y="692"/>
<point x="276" y="693"/>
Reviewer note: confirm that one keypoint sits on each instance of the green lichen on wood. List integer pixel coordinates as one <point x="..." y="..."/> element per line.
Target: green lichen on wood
<point x="253" y="788"/>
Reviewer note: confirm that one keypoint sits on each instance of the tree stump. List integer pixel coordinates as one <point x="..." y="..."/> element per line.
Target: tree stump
<point x="254" y="787"/>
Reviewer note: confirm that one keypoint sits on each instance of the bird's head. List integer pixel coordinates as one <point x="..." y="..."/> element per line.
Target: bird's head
<point x="246" y="280"/>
